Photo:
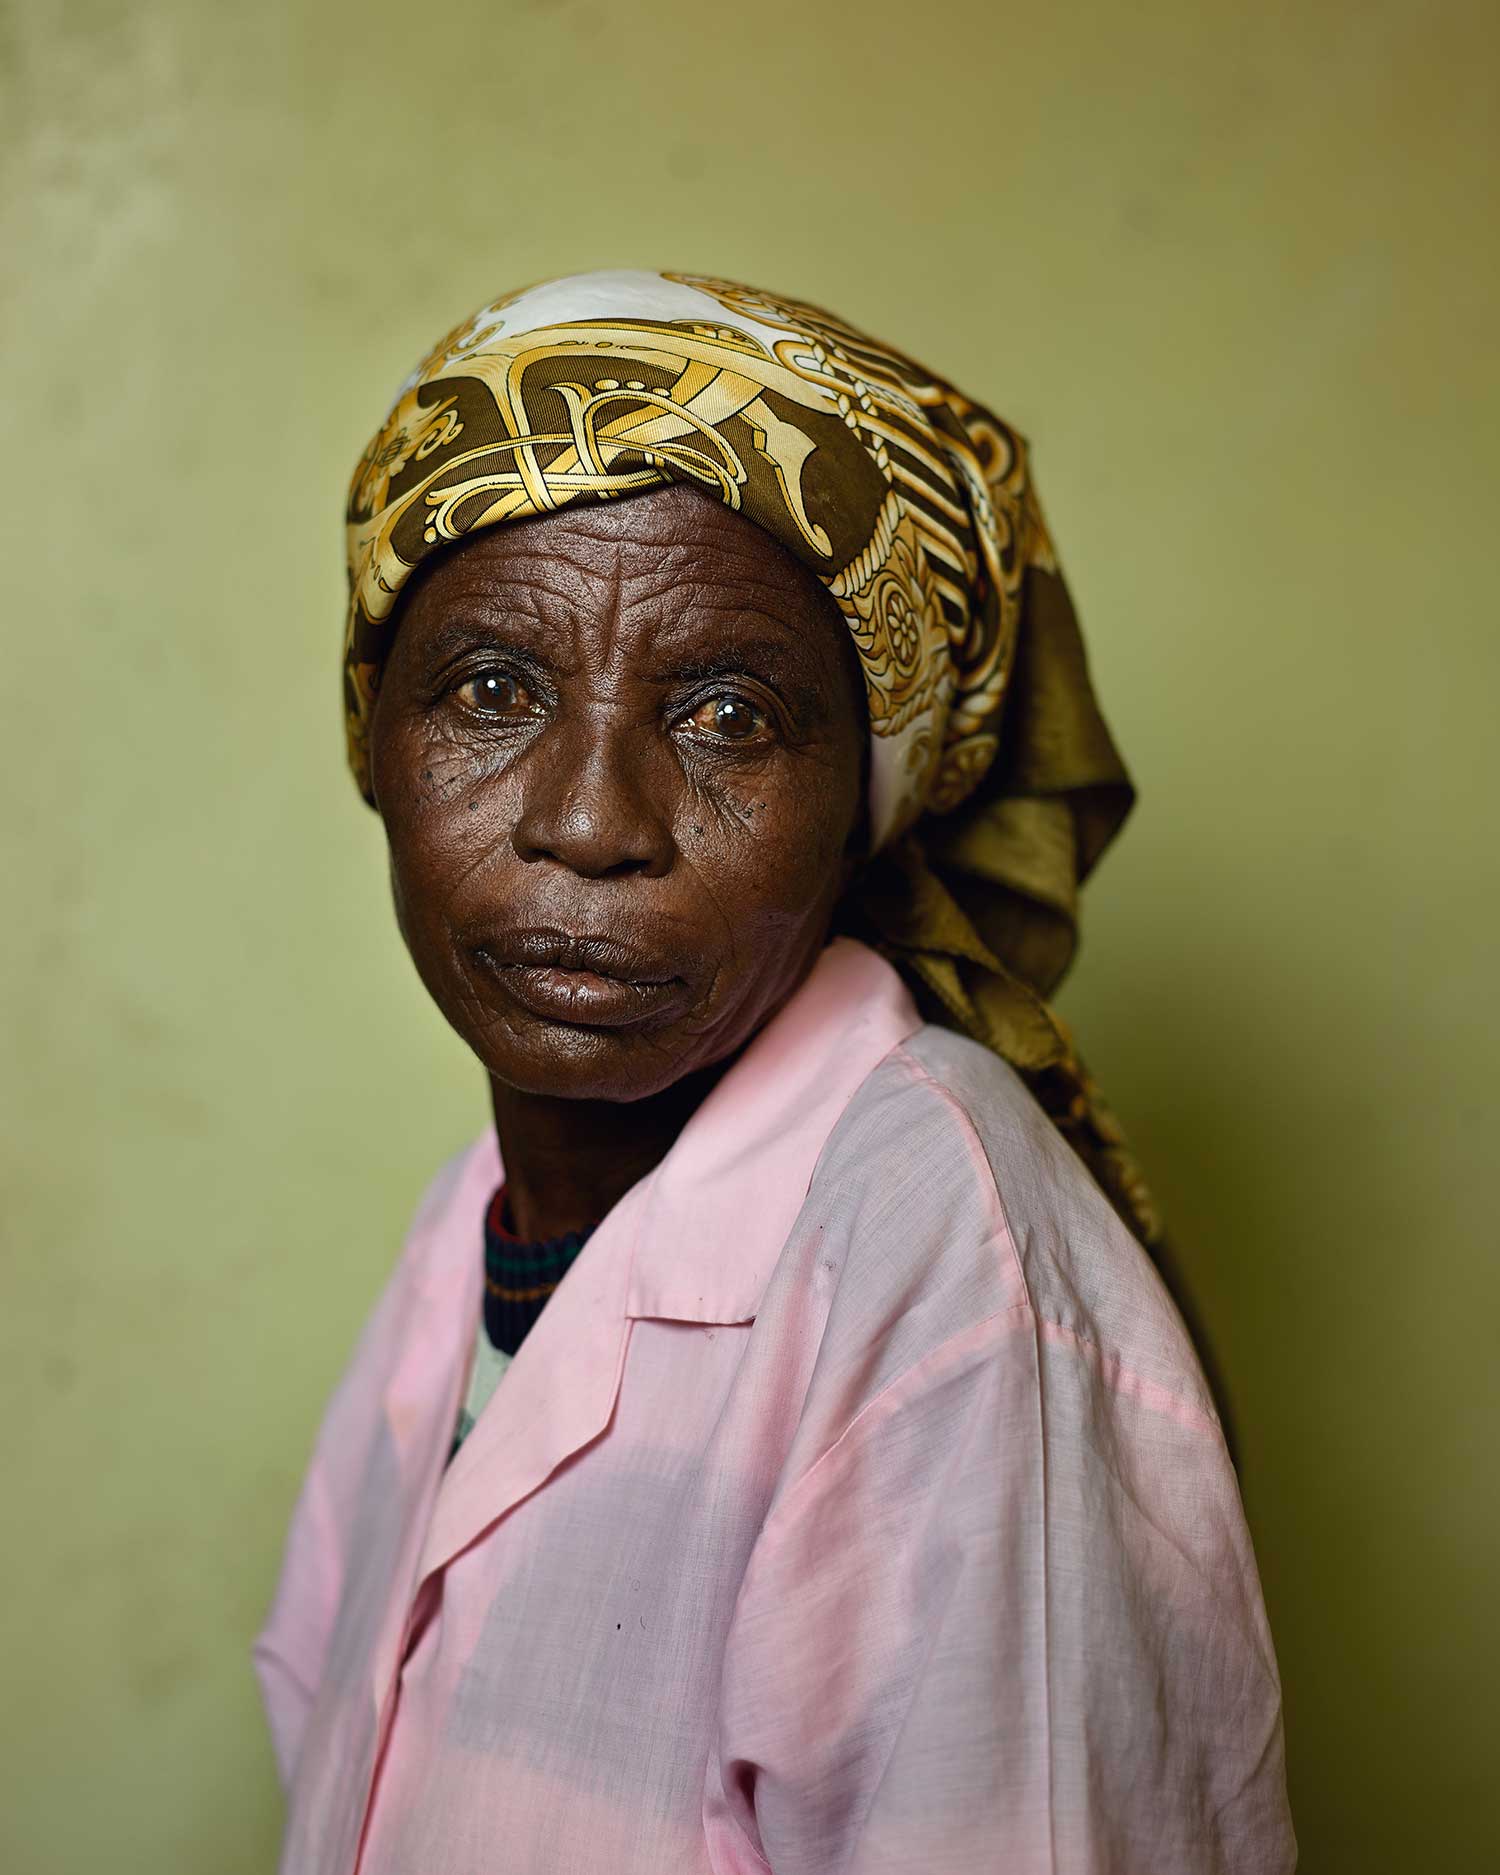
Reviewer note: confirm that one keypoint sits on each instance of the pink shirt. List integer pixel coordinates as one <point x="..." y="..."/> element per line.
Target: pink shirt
<point x="856" y="1505"/>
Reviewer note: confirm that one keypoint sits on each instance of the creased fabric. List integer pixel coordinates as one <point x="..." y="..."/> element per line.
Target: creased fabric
<point x="994" y="783"/>
<point x="856" y="1506"/>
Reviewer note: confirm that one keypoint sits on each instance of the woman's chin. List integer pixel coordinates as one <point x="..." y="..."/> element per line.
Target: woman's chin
<point x="563" y="1061"/>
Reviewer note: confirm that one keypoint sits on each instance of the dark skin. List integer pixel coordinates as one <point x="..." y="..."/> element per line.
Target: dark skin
<point x="619" y="754"/>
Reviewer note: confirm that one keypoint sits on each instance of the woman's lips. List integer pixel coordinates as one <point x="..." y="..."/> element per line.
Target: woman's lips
<point x="589" y="982"/>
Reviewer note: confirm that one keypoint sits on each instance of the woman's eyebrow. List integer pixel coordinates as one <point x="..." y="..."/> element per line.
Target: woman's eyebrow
<point x="459" y="626"/>
<point x="766" y="661"/>
<point x="487" y="594"/>
<point x="451" y="642"/>
<point x="742" y="654"/>
<point x="773" y="662"/>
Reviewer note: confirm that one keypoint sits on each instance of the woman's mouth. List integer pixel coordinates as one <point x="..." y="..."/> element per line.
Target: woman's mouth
<point x="579" y="979"/>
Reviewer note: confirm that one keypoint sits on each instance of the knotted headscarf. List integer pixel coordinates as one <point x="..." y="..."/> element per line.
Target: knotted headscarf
<point x="994" y="785"/>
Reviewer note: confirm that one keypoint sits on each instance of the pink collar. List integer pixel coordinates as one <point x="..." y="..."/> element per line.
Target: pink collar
<point x="709" y="1222"/>
<point x="720" y="1205"/>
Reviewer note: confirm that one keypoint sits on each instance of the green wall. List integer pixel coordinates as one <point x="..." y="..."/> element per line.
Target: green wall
<point x="1233" y="268"/>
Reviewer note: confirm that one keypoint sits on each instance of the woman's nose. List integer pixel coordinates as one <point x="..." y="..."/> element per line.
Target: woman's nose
<point x="594" y="800"/>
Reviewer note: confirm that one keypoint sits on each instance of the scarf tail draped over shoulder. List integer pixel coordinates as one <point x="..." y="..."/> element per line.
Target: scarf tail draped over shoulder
<point x="994" y="783"/>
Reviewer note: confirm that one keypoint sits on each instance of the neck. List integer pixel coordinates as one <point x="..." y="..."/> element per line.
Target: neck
<point x="568" y="1162"/>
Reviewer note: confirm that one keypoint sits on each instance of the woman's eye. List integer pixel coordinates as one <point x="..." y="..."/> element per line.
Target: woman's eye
<point x="731" y="718"/>
<point x="496" y="693"/>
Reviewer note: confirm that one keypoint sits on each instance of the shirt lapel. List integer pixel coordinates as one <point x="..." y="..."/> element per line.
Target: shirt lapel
<point x="557" y="1395"/>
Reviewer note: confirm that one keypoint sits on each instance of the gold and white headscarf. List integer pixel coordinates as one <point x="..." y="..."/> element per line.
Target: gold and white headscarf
<point x="994" y="785"/>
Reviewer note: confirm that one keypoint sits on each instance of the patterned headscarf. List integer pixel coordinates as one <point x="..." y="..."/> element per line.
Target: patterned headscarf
<point x="994" y="785"/>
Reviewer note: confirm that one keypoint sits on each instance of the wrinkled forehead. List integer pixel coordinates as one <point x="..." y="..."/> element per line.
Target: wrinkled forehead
<point x="669" y="572"/>
<point x="663" y="537"/>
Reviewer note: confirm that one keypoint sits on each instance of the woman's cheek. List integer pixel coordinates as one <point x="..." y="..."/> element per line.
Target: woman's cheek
<point x="455" y="766"/>
<point x="767" y="801"/>
<point x="806" y="820"/>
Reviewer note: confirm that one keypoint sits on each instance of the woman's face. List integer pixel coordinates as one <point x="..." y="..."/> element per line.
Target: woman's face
<point x="619" y="755"/>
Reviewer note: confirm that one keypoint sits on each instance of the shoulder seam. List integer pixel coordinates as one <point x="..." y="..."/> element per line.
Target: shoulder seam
<point x="1112" y="1368"/>
<point x="948" y="1098"/>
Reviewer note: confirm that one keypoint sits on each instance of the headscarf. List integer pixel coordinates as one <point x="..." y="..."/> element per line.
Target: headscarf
<point x="994" y="784"/>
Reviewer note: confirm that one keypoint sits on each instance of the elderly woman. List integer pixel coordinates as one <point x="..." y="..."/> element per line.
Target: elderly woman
<point x="774" y="1449"/>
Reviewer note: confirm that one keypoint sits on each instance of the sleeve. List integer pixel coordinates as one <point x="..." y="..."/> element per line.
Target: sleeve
<point x="292" y="1646"/>
<point x="1008" y="1621"/>
<point x="291" y="1650"/>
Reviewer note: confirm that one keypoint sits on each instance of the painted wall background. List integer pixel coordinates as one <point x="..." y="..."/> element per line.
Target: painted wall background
<point x="1232" y="267"/>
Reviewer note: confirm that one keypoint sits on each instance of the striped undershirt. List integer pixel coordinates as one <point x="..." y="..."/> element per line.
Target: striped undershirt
<point x="518" y="1279"/>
